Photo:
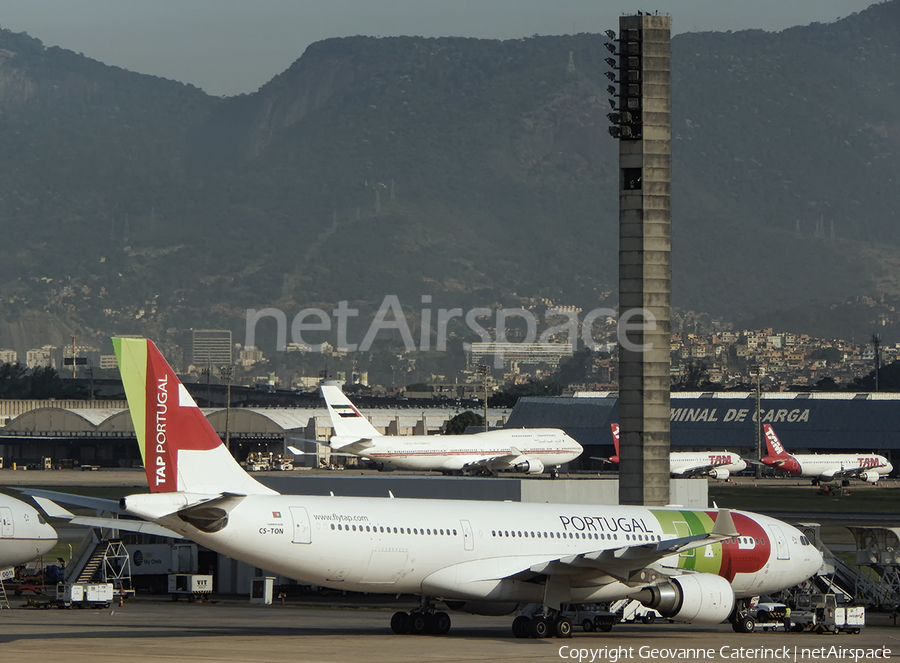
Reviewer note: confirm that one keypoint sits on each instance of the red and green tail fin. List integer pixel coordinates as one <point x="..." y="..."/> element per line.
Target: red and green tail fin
<point x="180" y="449"/>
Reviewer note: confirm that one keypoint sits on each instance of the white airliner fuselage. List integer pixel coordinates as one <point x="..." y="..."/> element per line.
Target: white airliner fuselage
<point x="690" y="565"/>
<point x="527" y="450"/>
<point x="24" y="534"/>
<point x="824" y="467"/>
<point x="466" y="550"/>
<point x="683" y="464"/>
<point x="717" y="464"/>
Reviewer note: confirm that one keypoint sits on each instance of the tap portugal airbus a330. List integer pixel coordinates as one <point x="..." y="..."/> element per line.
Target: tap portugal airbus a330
<point x="526" y="450"/>
<point x="483" y="557"/>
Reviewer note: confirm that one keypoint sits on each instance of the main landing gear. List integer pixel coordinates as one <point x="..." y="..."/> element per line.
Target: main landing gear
<point x="541" y="626"/>
<point x="424" y="620"/>
<point x="741" y="620"/>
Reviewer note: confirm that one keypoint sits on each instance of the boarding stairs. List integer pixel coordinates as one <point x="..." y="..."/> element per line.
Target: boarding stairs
<point x="101" y="561"/>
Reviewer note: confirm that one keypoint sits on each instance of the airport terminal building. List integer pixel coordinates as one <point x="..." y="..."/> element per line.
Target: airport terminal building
<point x="805" y="423"/>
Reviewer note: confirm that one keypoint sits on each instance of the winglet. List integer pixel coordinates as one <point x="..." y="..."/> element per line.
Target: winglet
<point x="724" y="526"/>
<point x="53" y="509"/>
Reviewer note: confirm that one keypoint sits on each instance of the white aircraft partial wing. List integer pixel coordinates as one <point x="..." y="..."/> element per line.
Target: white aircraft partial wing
<point x="500" y="459"/>
<point x="697" y="470"/>
<point x="625" y="563"/>
<point x="297" y="452"/>
<point x="855" y="471"/>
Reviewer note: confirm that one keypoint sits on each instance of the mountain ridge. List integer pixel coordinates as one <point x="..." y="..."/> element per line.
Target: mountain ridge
<point x="476" y="171"/>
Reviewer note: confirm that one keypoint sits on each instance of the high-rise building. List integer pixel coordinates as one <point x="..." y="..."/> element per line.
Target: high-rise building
<point x="212" y="347"/>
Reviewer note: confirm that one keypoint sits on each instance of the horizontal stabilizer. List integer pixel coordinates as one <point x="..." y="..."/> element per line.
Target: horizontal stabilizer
<point x="54" y="510"/>
<point x="329" y="452"/>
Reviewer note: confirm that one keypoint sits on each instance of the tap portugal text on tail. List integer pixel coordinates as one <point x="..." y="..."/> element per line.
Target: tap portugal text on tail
<point x="691" y="565"/>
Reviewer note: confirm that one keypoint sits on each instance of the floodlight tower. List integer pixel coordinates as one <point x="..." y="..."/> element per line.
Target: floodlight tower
<point x="641" y="120"/>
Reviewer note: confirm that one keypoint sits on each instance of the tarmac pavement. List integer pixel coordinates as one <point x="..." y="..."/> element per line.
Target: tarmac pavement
<point x="151" y="631"/>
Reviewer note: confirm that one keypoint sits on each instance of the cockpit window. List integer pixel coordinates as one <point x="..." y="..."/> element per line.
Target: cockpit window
<point x="41" y="520"/>
<point x="804" y="541"/>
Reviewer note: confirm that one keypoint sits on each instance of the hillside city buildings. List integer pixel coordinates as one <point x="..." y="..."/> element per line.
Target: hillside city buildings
<point x="714" y="357"/>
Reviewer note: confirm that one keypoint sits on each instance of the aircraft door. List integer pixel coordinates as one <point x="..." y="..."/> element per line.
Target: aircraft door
<point x="7" y="528"/>
<point x="302" y="533"/>
<point x="468" y="537"/>
<point x="781" y="545"/>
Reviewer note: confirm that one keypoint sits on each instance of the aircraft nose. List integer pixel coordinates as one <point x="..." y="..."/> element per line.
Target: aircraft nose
<point x="816" y="562"/>
<point x="45" y="543"/>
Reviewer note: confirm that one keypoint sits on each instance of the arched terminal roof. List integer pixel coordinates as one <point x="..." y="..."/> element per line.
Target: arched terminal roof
<point x="56" y="419"/>
<point x="252" y="422"/>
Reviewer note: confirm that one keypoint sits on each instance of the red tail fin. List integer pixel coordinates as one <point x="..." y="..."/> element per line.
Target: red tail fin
<point x="615" y="434"/>
<point x="181" y="451"/>
<point x="773" y="444"/>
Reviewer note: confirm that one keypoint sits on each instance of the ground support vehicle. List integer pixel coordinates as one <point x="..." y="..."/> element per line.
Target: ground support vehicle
<point x="820" y="613"/>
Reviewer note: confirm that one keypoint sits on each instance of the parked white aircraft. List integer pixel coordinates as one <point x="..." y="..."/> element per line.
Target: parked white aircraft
<point x="24" y="534"/>
<point x="527" y="450"/>
<point x="684" y="464"/>
<point x="824" y="467"/>
<point x="484" y="557"/>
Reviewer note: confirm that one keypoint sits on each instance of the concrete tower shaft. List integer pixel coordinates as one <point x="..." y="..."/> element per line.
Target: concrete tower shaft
<point x="644" y="255"/>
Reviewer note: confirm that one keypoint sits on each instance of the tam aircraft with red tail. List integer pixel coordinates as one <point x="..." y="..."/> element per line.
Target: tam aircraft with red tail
<point x="478" y="556"/>
<point x="685" y="464"/>
<point x="824" y="467"/>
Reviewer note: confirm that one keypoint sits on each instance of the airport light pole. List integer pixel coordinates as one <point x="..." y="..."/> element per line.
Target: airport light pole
<point x="755" y="371"/>
<point x="227" y="373"/>
<point x="483" y="371"/>
<point x="876" y="341"/>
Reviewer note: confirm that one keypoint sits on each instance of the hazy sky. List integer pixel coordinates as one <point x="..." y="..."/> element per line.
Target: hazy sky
<point x="229" y="47"/>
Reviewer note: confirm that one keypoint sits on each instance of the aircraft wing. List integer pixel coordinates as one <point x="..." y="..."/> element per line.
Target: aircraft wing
<point x="698" y="470"/>
<point x="297" y="452"/>
<point x="855" y="471"/>
<point x="494" y="461"/>
<point x="624" y="562"/>
<point x="627" y="563"/>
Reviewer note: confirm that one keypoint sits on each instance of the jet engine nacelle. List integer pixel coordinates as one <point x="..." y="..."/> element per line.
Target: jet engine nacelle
<point x="699" y="597"/>
<point x="870" y="476"/>
<point x="719" y="473"/>
<point x="488" y="608"/>
<point x="530" y="466"/>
